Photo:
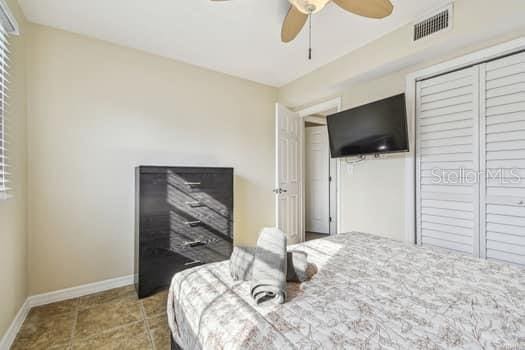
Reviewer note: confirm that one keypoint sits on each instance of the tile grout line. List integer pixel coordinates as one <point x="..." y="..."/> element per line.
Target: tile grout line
<point x="106" y="331"/>
<point x="73" y="338"/>
<point x="75" y="321"/>
<point x="120" y="298"/>
<point x="116" y="328"/>
<point x="146" y="325"/>
<point x="87" y="307"/>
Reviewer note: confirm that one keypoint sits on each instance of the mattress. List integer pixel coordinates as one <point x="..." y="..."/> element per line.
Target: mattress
<point x="369" y="293"/>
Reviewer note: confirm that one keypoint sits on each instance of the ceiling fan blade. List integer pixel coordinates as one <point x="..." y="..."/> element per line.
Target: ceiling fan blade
<point x="367" y="8"/>
<point x="293" y="23"/>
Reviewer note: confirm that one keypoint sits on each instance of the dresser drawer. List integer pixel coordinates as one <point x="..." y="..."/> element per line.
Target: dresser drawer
<point x="214" y="209"/>
<point x="204" y="253"/>
<point x="158" y="265"/>
<point x="184" y="230"/>
<point x="154" y="227"/>
<point x="159" y="191"/>
<point x="197" y="182"/>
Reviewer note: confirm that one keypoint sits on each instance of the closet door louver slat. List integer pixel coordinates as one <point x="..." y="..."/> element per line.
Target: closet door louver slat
<point x="502" y="114"/>
<point x="447" y="152"/>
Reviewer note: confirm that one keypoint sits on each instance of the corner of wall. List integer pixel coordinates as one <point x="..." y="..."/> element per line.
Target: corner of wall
<point x="13" y="212"/>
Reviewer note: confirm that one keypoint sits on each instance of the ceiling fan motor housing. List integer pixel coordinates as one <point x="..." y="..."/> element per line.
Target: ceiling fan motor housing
<point x="309" y="6"/>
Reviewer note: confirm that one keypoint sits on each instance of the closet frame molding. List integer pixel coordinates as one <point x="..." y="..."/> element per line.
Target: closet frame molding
<point x="475" y="58"/>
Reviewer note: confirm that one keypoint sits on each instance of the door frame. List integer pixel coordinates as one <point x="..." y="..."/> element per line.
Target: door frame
<point x="487" y="54"/>
<point x="335" y="165"/>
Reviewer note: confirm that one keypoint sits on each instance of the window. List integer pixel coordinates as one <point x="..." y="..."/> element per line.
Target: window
<point x="8" y="26"/>
<point x="3" y="96"/>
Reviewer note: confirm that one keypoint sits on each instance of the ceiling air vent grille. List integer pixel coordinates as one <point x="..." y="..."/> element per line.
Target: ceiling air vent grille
<point x="433" y="24"/>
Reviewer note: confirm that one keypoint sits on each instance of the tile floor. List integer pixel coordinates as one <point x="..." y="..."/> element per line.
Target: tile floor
<point x="114" y="319"/>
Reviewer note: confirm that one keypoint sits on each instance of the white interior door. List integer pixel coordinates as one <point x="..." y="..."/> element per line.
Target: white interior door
<point x="289" y="184"/>
<point x="503" y="159"/>
<point x="317" y="161"/>
<point x="447" y="160"/>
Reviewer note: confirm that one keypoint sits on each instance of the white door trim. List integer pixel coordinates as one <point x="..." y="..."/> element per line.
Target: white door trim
<point x="321" y="107"/>
<point x="316" y="120"/>
<point x="335" y="166"/>
<point x="477" y="57"/>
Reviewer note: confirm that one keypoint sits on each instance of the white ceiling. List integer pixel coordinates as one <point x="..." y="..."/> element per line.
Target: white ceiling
<point x="237" y="37"/>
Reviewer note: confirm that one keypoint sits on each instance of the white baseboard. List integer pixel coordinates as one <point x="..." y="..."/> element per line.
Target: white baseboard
<point x="75" y="292"/>
<point x="59" y="295"/>
<point x="10" y="335"/>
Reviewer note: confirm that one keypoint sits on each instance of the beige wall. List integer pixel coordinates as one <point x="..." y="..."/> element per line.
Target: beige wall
<point x="477" y="23"/>
<point x="13" y="266"/>
<point x="373" y="193"/>
<point x="96" y="110"/>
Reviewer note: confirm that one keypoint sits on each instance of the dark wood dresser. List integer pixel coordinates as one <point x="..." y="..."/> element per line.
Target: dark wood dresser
<point x="183" y="218"/>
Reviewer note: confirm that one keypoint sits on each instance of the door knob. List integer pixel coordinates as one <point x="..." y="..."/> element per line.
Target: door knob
<point x="279" y="191"/>
<point x="521" y="202"/>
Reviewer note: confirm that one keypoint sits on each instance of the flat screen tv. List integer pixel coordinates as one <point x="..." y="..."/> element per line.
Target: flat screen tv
<point x="378" y="127"/>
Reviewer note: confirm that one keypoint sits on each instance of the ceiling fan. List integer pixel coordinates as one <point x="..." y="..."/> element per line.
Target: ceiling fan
<point x="301" y="10"/>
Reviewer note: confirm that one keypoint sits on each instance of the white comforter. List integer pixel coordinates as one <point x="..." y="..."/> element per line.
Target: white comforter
<point x="369" y="293"/>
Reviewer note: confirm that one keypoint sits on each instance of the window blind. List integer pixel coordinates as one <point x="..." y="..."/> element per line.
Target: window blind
<point x="4" y="64"/>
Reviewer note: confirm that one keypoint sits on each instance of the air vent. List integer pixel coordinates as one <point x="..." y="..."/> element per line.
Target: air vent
<point x="436" y="22"/>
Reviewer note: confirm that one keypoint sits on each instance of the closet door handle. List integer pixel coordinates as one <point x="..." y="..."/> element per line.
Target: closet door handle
<point x="192" y="183"/>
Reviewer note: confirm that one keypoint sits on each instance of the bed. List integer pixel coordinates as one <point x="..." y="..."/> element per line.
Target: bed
<point x="369" y="293"/>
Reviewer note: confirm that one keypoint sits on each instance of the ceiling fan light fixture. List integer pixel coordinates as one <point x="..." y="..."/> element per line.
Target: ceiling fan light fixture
<point x="309" y="6"/>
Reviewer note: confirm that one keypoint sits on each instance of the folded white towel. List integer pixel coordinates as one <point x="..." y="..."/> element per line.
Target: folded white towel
<point x="242" y="258"/>
<point x="269" y="267"/>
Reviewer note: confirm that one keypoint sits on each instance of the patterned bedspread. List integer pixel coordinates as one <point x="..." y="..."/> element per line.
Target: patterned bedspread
<point x="369" y="293"/>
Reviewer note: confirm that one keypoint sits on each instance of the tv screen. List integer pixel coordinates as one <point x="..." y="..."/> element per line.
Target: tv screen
<point x="378" y="127"/>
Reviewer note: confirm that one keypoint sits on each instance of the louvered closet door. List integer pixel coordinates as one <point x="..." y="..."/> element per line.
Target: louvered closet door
<point x="447" y="151"/>
<point x="503" y="158"/>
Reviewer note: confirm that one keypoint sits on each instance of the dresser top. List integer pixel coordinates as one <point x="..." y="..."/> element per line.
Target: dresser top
<point x="182" y="169"/>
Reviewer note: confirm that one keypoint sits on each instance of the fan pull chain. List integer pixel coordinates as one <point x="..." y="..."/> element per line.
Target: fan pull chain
<point x="310" y="37"/>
